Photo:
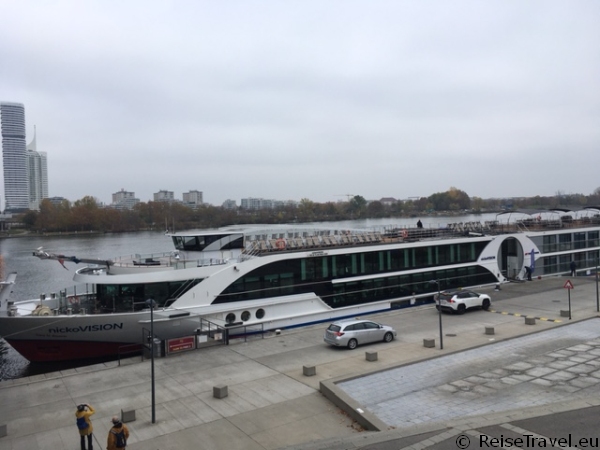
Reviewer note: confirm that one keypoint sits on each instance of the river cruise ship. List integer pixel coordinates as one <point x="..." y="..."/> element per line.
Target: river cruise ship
<point x="237" y="281"/>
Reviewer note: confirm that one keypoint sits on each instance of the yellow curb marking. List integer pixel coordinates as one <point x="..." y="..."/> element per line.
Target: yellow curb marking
<point x="506" y="313"/>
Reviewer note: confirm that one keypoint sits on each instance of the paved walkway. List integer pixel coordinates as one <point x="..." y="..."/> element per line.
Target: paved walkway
<point x="272" y="405"/>
<point x="557" y="365"/>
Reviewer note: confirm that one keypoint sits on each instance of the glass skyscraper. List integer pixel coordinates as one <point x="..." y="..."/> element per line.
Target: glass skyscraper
<point x="14" y="156"/>
<point x="38" y="175"/>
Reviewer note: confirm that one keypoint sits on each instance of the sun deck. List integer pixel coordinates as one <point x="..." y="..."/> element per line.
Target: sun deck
<point x="292" y="241"/>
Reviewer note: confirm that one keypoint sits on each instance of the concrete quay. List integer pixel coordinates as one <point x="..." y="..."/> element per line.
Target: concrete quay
<point x="294" y="391"/>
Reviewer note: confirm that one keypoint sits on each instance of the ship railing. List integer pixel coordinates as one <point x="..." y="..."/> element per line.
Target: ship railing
<point x="238" y="330"/>
<point x="74" y="304"/>
<point x="147" y="260"/>
<point x="169" y="260"/>
<point x="211" y="262"/>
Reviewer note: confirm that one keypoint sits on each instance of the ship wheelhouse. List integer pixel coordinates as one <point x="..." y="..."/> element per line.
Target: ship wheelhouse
<point x="208" y="242"/>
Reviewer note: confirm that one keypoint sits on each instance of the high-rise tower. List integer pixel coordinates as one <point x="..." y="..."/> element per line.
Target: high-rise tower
<point x="14" y="156"/>
<point x="37" y="163"/>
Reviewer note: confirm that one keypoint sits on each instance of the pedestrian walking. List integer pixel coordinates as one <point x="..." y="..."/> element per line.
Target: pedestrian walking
<point x="573" y="269"/>
<point x="117" y="435"/>
<point x="84" y="424"/>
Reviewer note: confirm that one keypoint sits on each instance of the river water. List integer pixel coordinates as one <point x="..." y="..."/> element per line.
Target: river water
<point x="36" y="277"/>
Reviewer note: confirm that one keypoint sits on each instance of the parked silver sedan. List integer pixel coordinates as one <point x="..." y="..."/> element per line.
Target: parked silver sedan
<point x="350" y="333"/>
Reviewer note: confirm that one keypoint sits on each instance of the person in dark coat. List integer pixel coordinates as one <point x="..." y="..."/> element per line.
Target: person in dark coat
<point x="573" y="269"/>
<point x="528" y="273"/>
<point x="419" y="224"/>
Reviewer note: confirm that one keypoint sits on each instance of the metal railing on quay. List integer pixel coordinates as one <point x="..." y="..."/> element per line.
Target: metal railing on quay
<point x="238" y="331"/>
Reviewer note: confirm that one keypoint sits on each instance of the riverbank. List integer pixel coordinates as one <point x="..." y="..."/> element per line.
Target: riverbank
<point x="24" y="233"/>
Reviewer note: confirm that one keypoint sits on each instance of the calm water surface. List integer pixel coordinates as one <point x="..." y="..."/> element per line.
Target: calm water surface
<point x="35" y="276"/>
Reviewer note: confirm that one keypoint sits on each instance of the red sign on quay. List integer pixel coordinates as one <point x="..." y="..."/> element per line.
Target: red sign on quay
<point x="568" y="285"/>
<point x="180" y="344"/>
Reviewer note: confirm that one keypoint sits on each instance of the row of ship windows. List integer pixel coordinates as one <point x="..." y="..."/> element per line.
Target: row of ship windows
<point x="245" y="316"/>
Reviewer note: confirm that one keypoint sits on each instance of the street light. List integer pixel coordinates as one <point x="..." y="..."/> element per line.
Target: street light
<point x="439" y="301"/>
<point x="150" y="303"/>
<point x="597" y="300"/>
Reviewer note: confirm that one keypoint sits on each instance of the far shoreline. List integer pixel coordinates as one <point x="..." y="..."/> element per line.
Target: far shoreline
<point x="25" y="234"/>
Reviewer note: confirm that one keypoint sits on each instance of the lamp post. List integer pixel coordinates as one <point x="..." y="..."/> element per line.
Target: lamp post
<point x="150" y="303"/>
<point x="597" y="299"/>
<point x="439" y="304"/>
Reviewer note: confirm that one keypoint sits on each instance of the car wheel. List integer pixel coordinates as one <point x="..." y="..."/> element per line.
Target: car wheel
<point x="389" y="337"/>
<point x="461" y="309"/>
<point x="352" y="344"/>
<point x="485" y="304"/>
<point x="437" y="307"/>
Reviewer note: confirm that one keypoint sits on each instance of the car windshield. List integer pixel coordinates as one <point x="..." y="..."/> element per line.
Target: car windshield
<point x="446" y="295"/>
<point x="335" y="328"/>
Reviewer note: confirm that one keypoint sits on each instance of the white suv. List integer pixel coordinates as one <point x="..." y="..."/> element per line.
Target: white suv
<point x="460" y="301"/>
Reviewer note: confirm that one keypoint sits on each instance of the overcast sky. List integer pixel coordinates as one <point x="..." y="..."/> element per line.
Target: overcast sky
<point x="308" y="99"/>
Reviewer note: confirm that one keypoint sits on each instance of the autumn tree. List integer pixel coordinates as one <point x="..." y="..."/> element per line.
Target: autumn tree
<point x="357" y="206"/>
<point x="85" y="214"/>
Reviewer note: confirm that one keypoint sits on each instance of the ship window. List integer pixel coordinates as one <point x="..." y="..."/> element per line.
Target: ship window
<point x="354" y="264"/>
<point x="418" y="280"/>
<point x="287" y="283"/>
<point x="579" y="240"/>
<point x="565" y="241"/>
<point x="325" y="267"/>
<point x="564" y="263"/>
<point x="549" y="265"/>
<point x="368" y="292"/>
<point x="411" y="258"/>
<point x="592" y="239"/>
<point x="245" y="316"/>
<point x="380" y="261"/>
<point x="372" y="262"/>
<point x="260" y="313"/>
<point x="230" y="318"/>
<point x="252" y="286"/>
<point x="334" y="270"/>
<point x="549" y="244"/>
<point x="312" y="269"/>
<point x="592" y="258"/>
